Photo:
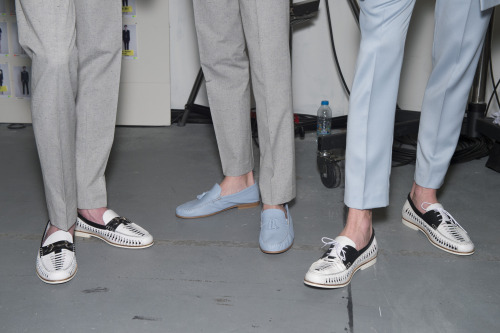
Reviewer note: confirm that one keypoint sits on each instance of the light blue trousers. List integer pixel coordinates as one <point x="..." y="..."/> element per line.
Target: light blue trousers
<point x="458" y="40"/>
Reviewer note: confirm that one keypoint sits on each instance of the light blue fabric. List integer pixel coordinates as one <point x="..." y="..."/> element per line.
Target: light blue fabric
<point x="212" y="202"/>
<point x="487" y="4"/>
<point x="459" y="36"/>
<point x="276" y="230"/>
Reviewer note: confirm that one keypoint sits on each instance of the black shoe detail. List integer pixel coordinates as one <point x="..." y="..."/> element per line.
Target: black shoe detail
<point x="351" y="254"/>
<point x="433" y="218"/>
<point x="111" y="226"/>
<point x="56" y="247"/>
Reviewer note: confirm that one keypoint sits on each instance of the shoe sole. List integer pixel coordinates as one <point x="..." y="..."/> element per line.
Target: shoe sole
<point x="57" y="281"/>
<point x="417" y="227"/>
<point x="84" y="234"/>
<point x="277" y="252"/>
<point x="335" y="286"/>
<point x="242" y="206"/>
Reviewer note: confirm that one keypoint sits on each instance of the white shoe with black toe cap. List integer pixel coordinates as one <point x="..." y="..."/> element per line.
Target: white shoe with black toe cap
<point x="56" y="260"/>
<point x="117" y="231"/>
<point x="337" y="266"/>
<point x="441" y="229"/>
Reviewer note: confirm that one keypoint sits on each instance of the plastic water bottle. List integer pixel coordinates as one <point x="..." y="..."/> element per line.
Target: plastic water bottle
<point x="324" y="125"/>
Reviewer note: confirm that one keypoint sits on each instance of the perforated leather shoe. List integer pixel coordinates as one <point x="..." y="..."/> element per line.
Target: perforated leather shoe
<point x="337" y="266"/>
<point x="441" y="229"/>
<point x="56" y="260"/>
<point x="118" y="231"/>
<point x="211" y="202"/>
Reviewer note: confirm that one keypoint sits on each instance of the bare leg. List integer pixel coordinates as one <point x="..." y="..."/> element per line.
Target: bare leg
<point x="231" y="185"/>
<point x="94" y="215"/>
<point x="280" y="207"/>
<point x="358" y="227"/>
<point x="53" y="229"/>
<point x="420" y="194"/>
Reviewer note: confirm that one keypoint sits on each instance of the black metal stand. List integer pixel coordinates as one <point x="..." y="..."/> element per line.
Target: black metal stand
<point x="191" y="106"/>
<point x="477" y="123"/>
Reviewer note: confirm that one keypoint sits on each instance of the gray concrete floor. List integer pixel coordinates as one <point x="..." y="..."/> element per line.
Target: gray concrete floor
<point x="208" y="275"/>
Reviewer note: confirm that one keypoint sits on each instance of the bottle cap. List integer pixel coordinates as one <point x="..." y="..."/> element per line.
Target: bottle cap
<point x="324" y="103"/>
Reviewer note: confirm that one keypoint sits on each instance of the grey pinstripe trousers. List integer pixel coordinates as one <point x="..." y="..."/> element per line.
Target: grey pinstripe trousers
<point x="239" y="39"/>
<point x="75" y="46"/>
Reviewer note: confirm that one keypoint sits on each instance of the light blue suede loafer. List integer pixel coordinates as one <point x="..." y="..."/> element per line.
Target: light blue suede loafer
<point x="276" y="231"/>
<point x="211" y="202"/>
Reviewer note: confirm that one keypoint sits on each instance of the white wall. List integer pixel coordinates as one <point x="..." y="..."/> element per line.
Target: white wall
<point x="314" y="75"/>
<point x="184" y="58"/>
<point x="145" y="82"/>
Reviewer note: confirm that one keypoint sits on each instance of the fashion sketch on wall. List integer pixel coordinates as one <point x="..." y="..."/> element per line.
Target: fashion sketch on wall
<point x="128" y="8"/>
<point x="4" y="80"/>
<point x="22" y="81"/>
<point x="4" y="43"/>
<point x="129" y="40"/>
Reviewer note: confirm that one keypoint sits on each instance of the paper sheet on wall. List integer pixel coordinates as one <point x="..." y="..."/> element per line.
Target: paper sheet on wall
<point x="4" y="81"/>
<point x="3" y="8"/>
<point x="129" y="41"/>
<point x="22" y="81"/>
<point x="129" y="8"/>
<point x="4" y="39"/>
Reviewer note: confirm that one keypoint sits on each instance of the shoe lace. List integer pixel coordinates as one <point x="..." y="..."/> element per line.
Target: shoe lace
<point x="446" y="217"/>
<point x="334" y="246"/>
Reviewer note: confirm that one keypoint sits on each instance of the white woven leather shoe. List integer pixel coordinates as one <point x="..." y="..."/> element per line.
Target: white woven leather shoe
<point x="118" y="231"/>
<point x="337" y="266"/>
<point x="441" y="229"/>
<point x="56" y="260"/>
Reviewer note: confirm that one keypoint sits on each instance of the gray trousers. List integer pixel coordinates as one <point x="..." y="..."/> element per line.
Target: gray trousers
<point x="239" y="39"/>
<point x="75" y="46"/>
<point x="458" y="40"/>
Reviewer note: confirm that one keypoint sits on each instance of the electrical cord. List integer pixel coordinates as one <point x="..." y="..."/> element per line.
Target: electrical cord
<point x="16" y="126"/>
<point x="492" y="77"/>
<point x="404" y="150"/>
<point x="337" y="63"/>
<point x="495" y="87"/>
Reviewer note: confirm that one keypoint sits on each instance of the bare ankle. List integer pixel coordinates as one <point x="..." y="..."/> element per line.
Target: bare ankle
<point x="358" y="227"/>
<point x="420" y="195"/>
<point x="231" y="185"/>
<point x="280" y="207"/>
<point x="53" y="229"/>
<point x="94" y="215"/>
